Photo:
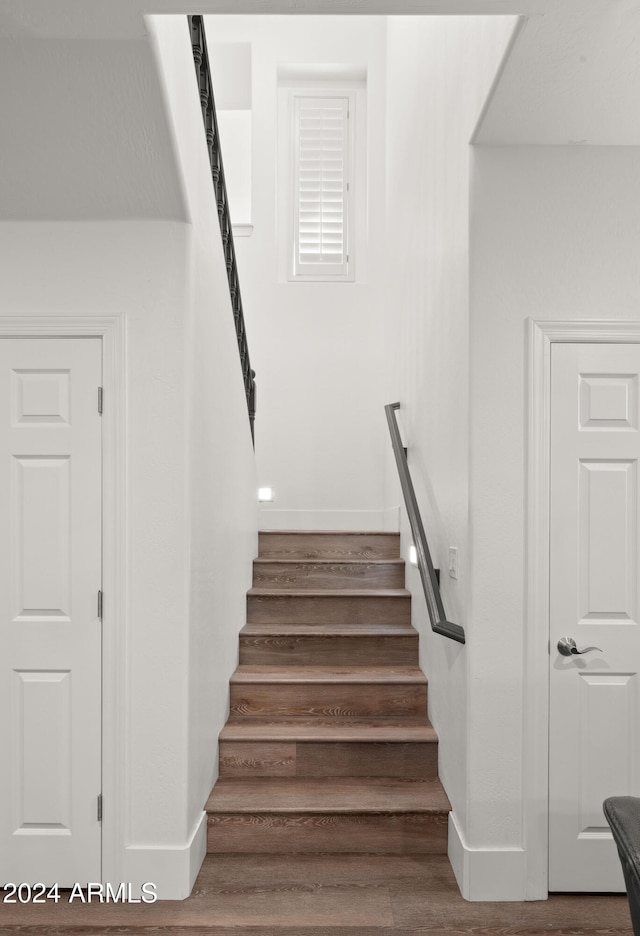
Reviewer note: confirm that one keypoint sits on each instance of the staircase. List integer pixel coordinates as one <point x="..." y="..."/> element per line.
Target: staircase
<point x="328" y="747"/>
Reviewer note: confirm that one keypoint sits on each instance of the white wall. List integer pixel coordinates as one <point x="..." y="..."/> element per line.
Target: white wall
<point x="230" y="64"/>
<point x="439" y="73"/>
<point x="555" y="235"/>
<point x="317" y="349"/>
<point x="222" y="522"/>
<point x="138" y="270"/>
<point x="191" y="515"/>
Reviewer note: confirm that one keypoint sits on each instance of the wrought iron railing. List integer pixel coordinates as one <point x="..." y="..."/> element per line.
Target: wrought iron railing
<point x="203" y="74"/>
<point x="439" y="623"/>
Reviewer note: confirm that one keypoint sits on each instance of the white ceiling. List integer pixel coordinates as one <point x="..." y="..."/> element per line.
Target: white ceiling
<point x="119" y="19"/>
<point x="573" y="77"/>
<point x="82" y="116"/>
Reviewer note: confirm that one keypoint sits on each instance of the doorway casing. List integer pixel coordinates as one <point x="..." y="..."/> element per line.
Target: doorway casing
<point x="111" y="328"/>
<point x="540" y="337"/>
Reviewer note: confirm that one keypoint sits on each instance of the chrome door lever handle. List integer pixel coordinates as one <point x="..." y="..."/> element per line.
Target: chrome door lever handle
<point x="567" y="647"/>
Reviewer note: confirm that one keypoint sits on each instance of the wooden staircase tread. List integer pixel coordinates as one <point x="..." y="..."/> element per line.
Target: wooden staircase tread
<point x="325" y="572"/>
<point x="390" y="533"/>
<point x="297" y="629"/>
<point x="353" y="795"/>
<point x="338" y="729"/>
<point x="329" y="593"/>
<point x="331" y="563"/>
<point x="255" y="673"/>
<point x="341" y="545"/>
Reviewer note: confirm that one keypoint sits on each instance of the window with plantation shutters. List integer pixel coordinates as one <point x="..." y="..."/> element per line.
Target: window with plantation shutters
<point x="322" y="191"/>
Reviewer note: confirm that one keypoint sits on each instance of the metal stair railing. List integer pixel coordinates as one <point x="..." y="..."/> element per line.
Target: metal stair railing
<point x="203" y="74"/>
<point x="439" y="623"/>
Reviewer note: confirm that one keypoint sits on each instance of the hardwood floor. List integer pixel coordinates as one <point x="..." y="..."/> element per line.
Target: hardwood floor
<point x="333" y="895"/>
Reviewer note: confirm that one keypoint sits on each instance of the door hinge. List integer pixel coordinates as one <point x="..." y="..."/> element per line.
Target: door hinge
<point x="100" y="394"/>
<point x="100" y="605"/>
<point x="99" y="807"/>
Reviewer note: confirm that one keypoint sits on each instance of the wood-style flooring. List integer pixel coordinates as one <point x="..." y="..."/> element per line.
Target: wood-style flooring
<point x="332" y="895"/>
<point x="328" y="748"/>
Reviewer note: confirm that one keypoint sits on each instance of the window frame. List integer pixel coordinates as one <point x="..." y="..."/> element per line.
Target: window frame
<point x="322" y="272"/>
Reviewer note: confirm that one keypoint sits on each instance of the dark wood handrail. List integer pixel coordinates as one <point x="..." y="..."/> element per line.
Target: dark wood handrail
<point x="203" y="75"/>
<point x="439" y="623"/>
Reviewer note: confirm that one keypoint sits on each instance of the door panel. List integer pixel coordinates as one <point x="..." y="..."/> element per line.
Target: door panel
<point x="42" y="703"/>
<point x="594" y="753"/>
<point x="42" y="534"/>
<point x="50" y="574"/>
<point x="608" y="536"/>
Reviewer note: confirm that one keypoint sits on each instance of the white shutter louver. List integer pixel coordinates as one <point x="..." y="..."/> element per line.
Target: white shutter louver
<point x="321" y="186"/>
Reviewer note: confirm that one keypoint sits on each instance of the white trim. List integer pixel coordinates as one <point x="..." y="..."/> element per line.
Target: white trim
<point x="541" y="335"/>
<point x="172" y="868"/>
<point x="111" y="328"/>
<point x="368" y="520"/>
<point x="486" y="873"/>
<point x="316" y="74"/>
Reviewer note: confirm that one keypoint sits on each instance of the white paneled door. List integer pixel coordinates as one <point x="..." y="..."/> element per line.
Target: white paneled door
<point x="50" y="629"/>
<point x="594" y="592"/>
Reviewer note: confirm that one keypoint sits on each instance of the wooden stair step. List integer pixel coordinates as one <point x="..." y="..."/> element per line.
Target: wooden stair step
<point x="294" y="728"/>
<point x="411" y="759"/>
<point x="329" y="675"/>
<point x="320" y="833"/>
<point x="400" y="747"/>
<point x="329" y="629"/>
<point x="318" y="606"/>
<point x="339" y="545"/>
<point x="338" y="644"/>
<point x="357" y="573"/>
<point x="326" y="593"/>
<point x="328" y="690"/>
<point x="338" y="815"/>
<point x="317" y="795"/>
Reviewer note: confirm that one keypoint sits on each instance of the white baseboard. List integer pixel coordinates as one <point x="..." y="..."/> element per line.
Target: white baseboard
<point x="274" y="519"/>
<point x="173" y="869"/>
<point x="486" y="873"/>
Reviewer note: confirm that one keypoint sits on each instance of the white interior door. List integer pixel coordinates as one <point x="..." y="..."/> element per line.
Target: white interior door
<point x="594" y="703"/>
<point x="50" y="632"/>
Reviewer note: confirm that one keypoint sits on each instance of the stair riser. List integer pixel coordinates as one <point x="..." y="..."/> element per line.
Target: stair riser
<point x="408" y="760"/>
<point x="329" y="650"/>
<point x="274" y="574"/>
<point x="361" y="609"/>
<point x="309" y="833"/>
<point x="328" y="700"/>
<point x="339" y="546"/>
